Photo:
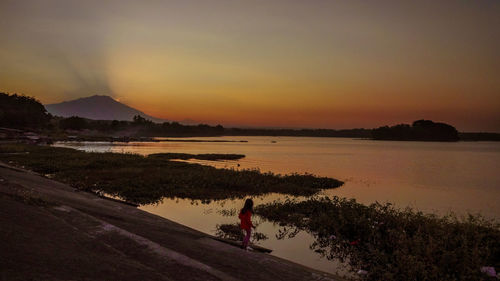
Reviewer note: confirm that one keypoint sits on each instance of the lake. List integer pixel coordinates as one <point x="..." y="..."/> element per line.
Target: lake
<point x="429" y="176"/>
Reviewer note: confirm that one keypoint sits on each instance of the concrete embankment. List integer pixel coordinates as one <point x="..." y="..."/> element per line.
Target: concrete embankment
<point x="50" y="231"/>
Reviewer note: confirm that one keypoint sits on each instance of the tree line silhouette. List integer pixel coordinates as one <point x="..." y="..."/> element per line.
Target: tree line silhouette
<point x="23" y="112"/>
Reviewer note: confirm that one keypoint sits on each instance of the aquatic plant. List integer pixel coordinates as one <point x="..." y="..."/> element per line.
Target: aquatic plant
<point x="233" y="231"/>
<point x="187" y="156"/>
<point x="390" y="243"/>
<point x="145" y="180"/>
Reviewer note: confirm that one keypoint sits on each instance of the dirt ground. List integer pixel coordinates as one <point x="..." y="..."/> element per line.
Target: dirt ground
<point x="50" y="231"/>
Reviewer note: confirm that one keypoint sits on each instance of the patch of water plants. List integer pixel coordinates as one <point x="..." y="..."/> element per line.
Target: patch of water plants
<point x="233" y="231"/>
<point x="187" y="156"/>
<point x="386" y="243"/>
<point x="144" y="180"/>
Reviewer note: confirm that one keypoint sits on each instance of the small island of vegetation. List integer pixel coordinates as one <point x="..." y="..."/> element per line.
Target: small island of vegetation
<point x="420" y="130"/>
<point x="187" y="156"/>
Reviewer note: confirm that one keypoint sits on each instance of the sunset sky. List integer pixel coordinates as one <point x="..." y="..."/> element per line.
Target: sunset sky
<point x="294" y="63"/>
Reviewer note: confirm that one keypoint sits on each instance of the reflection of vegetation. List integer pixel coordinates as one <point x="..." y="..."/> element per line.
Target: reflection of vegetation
<point x="392" y="244"/>
<point x="233" y="232"/>
<point x="186" y="156"/>
<point x="228" y="212"/>
<point x="144" y="180"/>
<point x="421" y="130"/>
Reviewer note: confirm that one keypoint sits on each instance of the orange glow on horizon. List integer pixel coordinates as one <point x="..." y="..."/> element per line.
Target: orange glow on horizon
<point x="315" y="64"/>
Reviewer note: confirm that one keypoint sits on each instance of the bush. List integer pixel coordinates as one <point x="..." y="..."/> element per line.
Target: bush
<point x="389" y="243"/>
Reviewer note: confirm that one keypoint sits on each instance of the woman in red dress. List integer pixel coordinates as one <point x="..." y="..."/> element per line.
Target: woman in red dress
<point x="246" y="221"/>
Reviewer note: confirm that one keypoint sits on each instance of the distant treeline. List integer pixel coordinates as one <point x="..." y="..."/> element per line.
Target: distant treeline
<point x="147" y="128"/>
<point x="421" y="130"/>
<point x="350" y="133"/>
<point x="479" y="136"/>
<point x="21" y="112"/>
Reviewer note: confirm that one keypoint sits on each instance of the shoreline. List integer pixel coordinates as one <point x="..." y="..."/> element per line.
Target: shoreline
<point x="146" y="245"/>
<point x="71" y="164"/>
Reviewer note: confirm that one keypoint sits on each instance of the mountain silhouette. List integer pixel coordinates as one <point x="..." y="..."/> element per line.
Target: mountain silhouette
<point x="98" y="108"/>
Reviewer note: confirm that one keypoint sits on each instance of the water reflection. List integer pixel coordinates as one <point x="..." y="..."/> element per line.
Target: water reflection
<point x="462" y="177"/>
<point x="206" y="217"/>
<point x="433" y="177"/>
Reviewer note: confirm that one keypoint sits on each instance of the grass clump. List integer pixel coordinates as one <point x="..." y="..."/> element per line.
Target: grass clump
<point x="389" y="243"/>
<point x="144" y="180"/>
<point x="187" y="156"/>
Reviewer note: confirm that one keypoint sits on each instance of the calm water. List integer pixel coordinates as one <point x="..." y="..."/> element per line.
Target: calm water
<point x="433" y="177"/>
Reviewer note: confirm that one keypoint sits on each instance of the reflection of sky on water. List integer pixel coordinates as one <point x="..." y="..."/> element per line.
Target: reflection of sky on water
<point x="205" y="217"/>
<point x="429" y="176"/>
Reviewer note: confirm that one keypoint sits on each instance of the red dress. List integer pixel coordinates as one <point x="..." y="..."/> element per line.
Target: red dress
<point x="246" y="222"/>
